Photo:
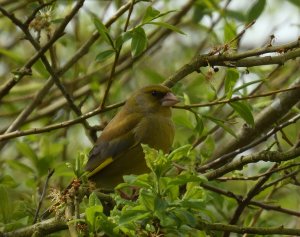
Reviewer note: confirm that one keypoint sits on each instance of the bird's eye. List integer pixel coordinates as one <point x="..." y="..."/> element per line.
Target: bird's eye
<point x="154" y="93"/>
<point x="157" y="94"/>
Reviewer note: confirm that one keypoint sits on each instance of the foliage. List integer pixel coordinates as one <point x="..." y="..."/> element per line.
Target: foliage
<point x="168" y="201"/>
<point x="66" y="66"/>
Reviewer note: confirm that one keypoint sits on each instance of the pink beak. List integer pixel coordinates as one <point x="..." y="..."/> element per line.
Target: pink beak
<point x="169" y="100"/>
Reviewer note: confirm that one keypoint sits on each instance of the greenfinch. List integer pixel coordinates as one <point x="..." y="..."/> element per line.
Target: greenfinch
<point x="144" y="119"/>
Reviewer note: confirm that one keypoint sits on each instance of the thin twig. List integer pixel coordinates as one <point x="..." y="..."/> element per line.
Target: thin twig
<point x="50" y="173"/>
<point x="248" y="58"/>
<point x="236" y="99"/>
<point x="239" y="198"/>
<point x="116" y="59"/>
<point x="232" y="154"/>
<point x="267" y="156"/>
<point x="49" y="128"/>
<point x="255" y="177"/>
<point x="49" y="83"/>
<point x="289" y="175"/>
<point x="256" y="189"/>
<point x="52" y="72"/>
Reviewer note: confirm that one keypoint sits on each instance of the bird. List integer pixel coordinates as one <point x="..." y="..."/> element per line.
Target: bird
<point x="144" y="119"/>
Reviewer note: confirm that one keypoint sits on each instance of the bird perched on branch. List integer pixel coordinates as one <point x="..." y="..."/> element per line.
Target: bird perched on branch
<point x="144" y="119"/>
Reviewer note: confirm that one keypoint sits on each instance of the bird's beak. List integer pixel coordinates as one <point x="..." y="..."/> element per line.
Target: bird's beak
<point x="169" y="100"/>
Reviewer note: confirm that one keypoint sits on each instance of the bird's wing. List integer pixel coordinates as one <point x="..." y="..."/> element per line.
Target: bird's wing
<point x="114" y="140"/>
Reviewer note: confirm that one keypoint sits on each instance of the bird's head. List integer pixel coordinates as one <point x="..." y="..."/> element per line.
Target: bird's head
<point x="153" y="98"/>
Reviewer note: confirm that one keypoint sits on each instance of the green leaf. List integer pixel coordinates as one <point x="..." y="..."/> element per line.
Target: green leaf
<point x="256" y="10"/>
<point x="150" y="14"/>
<point x="229" y="31"/>
<point x="160" y="204"/>
<point x="104" y="55"/>
<point x="166" y="25"/>
<point x="91" y="214"/>
<point x="27" y="151"/>
<point x="10" y="54"/>
<point x="147" y="199"/>
<point x="78" y="166"/>
<point x="94" y="200"/>
<point x="103" y="31"/>
<point x="244" y="110"/>
<point x="231" y="78"/>
<point x="135" y="180"/>
<point x="139" y="41"/>
<point x="8" y="181"/>
<point x="179" y="152"/>
<point x="207" y="148"/>
<point x="39" y="67"/>
<point x="236" y="15"/>
<point x="6" y="208"/>
<point x="194" y="192"/>
<point x="17" y="165"/>
<point x="247" y="84"/>
<point x="186" y="178"/>
<point x="221" y="123"/>
<point x="200" y="125"/>
<point x="121" y="39"/>
<point x="200" y="10"/>
<point x="17" y="224"/>
<point x="130" y="216"/>
<point x="183" y="119"/>
<point x="186" y="217"/>
<point x="193" y="203"/>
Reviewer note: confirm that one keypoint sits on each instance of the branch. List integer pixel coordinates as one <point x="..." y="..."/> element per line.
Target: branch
<point x="250" y="230"/>
<point x="47" y="65"/>
<point x="289" y="175"/>
<point x="50" y="173"/>
<point x="80" y="53"/>
<point x="250" y="195"/>
<point x="49" y="128"/>
<point x="27" y="67"/>
<point x="116" y="60"/>
<point x="255" y="177"/>
<point x="42" y="228"/>
<point x="239" y="198"/>
<point x="272" y="156"/>
<point x="49" y="83"/>
<point x="236" y="98"/>
<point x="290" y="51"/>
<point x="42" y="50"/>
<point x="221" y="160"/>
<point x="263" y="121"/>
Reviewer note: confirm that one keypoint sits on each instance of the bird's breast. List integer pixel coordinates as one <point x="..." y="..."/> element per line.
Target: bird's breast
<point x="156" y="131"/>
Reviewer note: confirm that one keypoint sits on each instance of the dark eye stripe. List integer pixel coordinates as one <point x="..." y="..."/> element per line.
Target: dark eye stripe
<point x="157" y="94"/>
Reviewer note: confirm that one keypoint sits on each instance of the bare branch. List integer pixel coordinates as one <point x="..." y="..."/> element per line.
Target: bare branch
<point x="49" y="128"/>
<point x="272" y="156"/>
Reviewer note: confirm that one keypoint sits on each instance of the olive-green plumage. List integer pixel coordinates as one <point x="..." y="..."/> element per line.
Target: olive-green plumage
<point x="144" y="119"/>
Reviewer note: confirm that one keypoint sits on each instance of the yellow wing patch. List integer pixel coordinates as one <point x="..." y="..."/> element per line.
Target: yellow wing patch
<point x="101" y="166"/>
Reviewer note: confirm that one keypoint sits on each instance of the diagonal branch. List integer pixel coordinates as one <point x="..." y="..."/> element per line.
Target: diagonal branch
<point x="49" y="83"/>
<point x="68" y="123"/>
<point x="239" y="199"/>
<point x="229" y="156"/>
<point x="248" y="58"/>
<point x="27" y="67"/>
<point x="272" y="156"/>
